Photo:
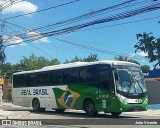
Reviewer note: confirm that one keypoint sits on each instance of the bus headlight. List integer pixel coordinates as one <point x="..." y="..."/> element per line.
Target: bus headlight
<point x="122" y="99"/>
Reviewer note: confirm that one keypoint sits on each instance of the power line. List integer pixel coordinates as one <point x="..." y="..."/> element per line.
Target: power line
<point x="92" y="48"/>
<point x="89" y="15"/>
<point x="75" y="44"/>
<point x="130" y="22"/>
<point x="41" y="50"/>
<point x="100" y="21"/>
<point x="12" y="24"/>
<point x="117" y="17"/>
<point x="108" y="19"/>
<point x="4" y="20"/>
<point x="124" y="23"/>
<point x="104" y="20"/>
<point x="46" y="9"/>
<point x="33" y="46"/>
<point x="9" y="4"/>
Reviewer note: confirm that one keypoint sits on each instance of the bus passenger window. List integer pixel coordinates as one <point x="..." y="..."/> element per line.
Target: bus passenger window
<point x="88" y="75"/>
<point x="19" y="81"/>
<point x="74" y="75"/>
<point x="52" y="78"/>
<point x="59" y="77"/>
<point x="104" y="77"/>
<point x="66" y="76"/>
<point x="42" y="79"/>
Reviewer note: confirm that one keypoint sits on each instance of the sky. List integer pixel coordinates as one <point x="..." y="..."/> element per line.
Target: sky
<point x="115" y="37"/>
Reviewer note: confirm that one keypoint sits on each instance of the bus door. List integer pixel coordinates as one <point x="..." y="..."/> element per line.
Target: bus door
<point x="104" y="88"/>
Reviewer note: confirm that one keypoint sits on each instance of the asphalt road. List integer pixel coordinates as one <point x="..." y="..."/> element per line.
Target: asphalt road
<point x="74" y="114"/>
<point x="78" y="119"/>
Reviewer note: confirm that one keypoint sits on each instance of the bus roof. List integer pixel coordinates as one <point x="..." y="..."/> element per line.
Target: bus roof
<point x="77" y="64"/>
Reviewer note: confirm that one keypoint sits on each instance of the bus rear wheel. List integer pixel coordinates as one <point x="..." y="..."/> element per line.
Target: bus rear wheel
<point x="89" y="108"/>
<point x="116" y="113"/>
<point x="36" y="105"/>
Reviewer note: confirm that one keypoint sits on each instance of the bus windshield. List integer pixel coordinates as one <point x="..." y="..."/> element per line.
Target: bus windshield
<point x="130" y="80"/>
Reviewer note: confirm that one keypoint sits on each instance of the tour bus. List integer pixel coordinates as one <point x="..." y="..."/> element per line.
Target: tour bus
<point x="102" y="86"/>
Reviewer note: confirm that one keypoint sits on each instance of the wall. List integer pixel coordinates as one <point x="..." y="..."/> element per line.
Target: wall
<point x="153" y="88"/>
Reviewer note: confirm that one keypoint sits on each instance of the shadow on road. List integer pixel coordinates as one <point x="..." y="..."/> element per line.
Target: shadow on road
<point x="75" y="114"/>
<point x="80" y="115"/>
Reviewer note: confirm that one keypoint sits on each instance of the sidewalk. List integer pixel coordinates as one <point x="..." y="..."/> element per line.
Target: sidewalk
<point x="5" y="114"/>
<point x="9" y="114"/>
<point x="149" y="112"/>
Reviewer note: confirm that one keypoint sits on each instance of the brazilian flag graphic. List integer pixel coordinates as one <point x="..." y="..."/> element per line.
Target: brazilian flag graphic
<point x="65" y="98"/>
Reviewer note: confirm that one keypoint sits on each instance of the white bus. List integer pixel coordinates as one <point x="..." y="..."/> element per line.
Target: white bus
<point x="110" y="86"/>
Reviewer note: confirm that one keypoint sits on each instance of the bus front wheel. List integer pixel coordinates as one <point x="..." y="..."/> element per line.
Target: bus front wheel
<point x="116" y="113"/>
<point x="89" y="108"/>
<point x="36" y="105"/>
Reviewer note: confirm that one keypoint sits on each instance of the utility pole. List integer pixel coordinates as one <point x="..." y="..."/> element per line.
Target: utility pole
<point x="2" y="58"/>
<point x="2" y="54"/>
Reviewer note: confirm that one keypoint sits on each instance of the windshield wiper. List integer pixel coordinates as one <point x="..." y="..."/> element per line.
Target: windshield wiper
<point x="133" y="83"/>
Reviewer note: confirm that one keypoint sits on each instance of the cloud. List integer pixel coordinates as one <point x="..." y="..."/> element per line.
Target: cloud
<point x="142" y="54"/>
<point x="32" y="35"/>
<point x="13" y="40"/>
<point x="37" y="36"/>
<point x="23" y="6"/>
<point x="131" y="55"/>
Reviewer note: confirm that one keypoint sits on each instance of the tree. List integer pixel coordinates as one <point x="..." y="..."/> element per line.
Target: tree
<point x="145" y="67"/>
<point x="121" y="58"/>
<point x="7" y="67"/>
<point x="2" y="54"/>
<point x="149" y="44"/>
<point x="76" y="59"/>
<point x="89" y="58"/>
<point x="124" y="58"/>
<point x="33" y="62"/>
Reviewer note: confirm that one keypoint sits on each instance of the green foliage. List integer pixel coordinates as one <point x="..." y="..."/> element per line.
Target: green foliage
<point x="76" y="59"/>
<point x="29" y="63"/>
<point x="145" y="67"/>
<point x="149" y="44"/>
<point x="34" y="62"/>
<point x="124" y="58"/>
<point x="121" y="58"/>
<point x="90" y="58"/>
<point x="7" y="67"/>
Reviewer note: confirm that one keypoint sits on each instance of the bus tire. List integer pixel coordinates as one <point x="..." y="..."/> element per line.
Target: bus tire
<point x="89" y="108"/>
<point x="59" y="110"/>
<point x="36" y="105"/>
<point x="116" y="113"/>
